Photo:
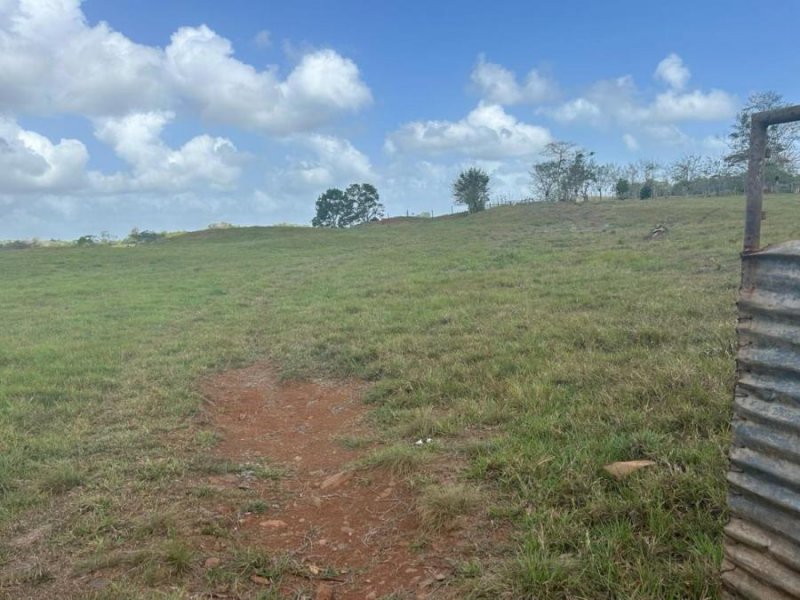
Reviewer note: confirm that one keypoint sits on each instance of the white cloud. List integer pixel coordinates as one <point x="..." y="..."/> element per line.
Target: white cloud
<point x="29" y="162"/>
<point x="498" y="85"/>
<point x="620" y="101"/>
<point x="631" y="143"/>
<point x="579" y="109"/>
<point x="673" y="72"/>
<point x="136" y="138"/>
<point x="715" y="105"/>
<point x="221" y="88"/>
<point x="488" y="132"/>
<point x="335" y="162"/>
<point x="52" y="61"/>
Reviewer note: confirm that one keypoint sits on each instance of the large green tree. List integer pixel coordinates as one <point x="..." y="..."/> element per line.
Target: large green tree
<point x="359" y="203"/>
<point x="365" y="202"/>
<point x="472" y="189"/>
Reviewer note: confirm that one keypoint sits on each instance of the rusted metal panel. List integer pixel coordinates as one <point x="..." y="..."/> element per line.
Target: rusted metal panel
<point x="762" y="541"/>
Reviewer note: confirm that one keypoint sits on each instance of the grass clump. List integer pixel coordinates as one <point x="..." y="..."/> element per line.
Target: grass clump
<point x="400" y="459"/>
<point x="61" y="479"/>
<point x="440" y="505"/>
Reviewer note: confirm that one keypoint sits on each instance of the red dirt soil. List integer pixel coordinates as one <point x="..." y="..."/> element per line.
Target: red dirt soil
<point x="358" y="526"/>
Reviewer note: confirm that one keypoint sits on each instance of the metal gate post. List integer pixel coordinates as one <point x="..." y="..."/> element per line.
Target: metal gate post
<point x="762" y="539"/>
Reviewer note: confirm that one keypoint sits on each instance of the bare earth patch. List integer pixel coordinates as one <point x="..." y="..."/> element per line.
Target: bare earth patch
<point x="278" y="506"/>
<point x="354" y="531"/>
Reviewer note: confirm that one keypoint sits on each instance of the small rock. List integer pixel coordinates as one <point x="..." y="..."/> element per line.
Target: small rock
<point x="317" y="501"/>
<point x="313" y="569"/>
<point x="426" y="582"/>
<point x="323" y="542"/>
<point x="371" y="596"/>
<point x="336" y="480"/>
<point x="325" y="592"/>
<point x="440" y="577"/>
<point x="419" y="443"/>
<point x="258" y="580"/>
<point x="273" y="524"/>
<point x="625" y="468"/>
<point x="348" y="530"/>
<point x="212" y="562"/>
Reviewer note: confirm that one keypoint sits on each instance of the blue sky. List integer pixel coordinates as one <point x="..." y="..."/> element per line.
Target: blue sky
<point x="174" y="115"/>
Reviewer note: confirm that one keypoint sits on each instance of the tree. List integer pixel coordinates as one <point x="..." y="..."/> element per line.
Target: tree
<point x="364" y="199"/>
<point x="646" y="191"/>
<point x="566" y="176"/>
<point x="359" y="203"/>
<point x="684" y="172"/>
<point x="472" y="188"/>
<point x="782" y="141"/>
<point x="605" y="178"/>
<point x="545" y="178"/>
<point x="622" y="188"/>
<point x="332" y="209"/>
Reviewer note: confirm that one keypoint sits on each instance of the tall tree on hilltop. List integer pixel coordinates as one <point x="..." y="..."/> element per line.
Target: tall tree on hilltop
<point x="365" y="202"/>
<point x="472" y="188"/>
<point x="359" y="203"/>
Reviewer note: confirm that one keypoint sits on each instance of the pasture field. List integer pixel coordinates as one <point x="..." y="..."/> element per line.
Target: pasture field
<point x="534" y="344"/>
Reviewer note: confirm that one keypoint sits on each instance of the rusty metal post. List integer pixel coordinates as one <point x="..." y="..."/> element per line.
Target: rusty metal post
<point x="762" y="539"/>
<point x="755" y="184"/>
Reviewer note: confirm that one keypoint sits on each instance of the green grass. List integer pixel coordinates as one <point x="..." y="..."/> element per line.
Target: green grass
<point x="537" y="343"/>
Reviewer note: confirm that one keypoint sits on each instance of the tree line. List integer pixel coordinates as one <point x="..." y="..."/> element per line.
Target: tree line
<point x="569" y="173"/>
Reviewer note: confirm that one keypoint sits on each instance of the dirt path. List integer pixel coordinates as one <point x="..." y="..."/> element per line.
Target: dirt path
<point x="356" y="533"/>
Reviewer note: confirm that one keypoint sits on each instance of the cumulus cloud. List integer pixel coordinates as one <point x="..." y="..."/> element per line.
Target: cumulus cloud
<point x="715" y="105"/>
<point x="52" y="61"/>
<point x="619" y="100"/>
<point x="673" y="72"/>
<point x="30" y="162"/>
<point x="333" y="161"/>
<point x="488" y="132"/>
<point x="136" y="139"/>
<point x="201" y="65"/>
<point x="498" y="85"/>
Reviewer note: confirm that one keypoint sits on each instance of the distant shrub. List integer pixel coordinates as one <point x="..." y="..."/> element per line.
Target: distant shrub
<point x="19" y="245"/>
<point x="86" y="240"/>
<point x="143" y="237"/>
<point x="646" y="191"/>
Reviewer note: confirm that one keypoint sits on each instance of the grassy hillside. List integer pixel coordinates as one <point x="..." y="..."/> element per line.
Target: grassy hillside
<point x="539" y="343"/>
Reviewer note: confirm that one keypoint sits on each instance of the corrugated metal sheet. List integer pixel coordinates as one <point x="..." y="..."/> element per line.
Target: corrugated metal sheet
<point x="762" y="540"/>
